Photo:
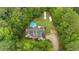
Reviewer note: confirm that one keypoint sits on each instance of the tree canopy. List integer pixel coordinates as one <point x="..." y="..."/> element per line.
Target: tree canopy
<point x="14" y="21"/>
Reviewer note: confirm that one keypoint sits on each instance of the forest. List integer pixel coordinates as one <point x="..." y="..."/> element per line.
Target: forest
<point x="15" y="20"/>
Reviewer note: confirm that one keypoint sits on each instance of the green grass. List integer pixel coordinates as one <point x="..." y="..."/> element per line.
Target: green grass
<point x="47" y="24"/>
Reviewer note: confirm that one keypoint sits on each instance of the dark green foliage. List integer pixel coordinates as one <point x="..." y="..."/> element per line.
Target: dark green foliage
<point x="7" y="42"/>
<point x="76" y="9"/>
<point x="67" y="24"/>
<point x="3" y="23"/>
<point x="13" y="22"/>
<point x="33" y="45"/>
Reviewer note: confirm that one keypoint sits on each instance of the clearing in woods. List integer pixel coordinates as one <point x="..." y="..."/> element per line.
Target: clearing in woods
<point x="51" y="32"/>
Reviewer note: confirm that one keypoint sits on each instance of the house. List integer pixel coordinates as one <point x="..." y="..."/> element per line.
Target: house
<point x="35" y="32"/>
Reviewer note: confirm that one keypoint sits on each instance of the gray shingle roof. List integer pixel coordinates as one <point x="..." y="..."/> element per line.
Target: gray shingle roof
<point x="36" y="32"/>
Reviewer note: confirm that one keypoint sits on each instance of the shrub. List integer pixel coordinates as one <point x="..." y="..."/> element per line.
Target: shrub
<point x="7" y="42"/>
<point x="34" y="45"/>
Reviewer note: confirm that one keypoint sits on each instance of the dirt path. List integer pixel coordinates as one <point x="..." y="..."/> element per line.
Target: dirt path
<point x="53" y="37"/>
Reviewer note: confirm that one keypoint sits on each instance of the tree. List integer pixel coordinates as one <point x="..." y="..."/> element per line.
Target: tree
<point x="7" y="41"/>
<point x="66" y="21"/>
<point x="30" y="45"/>
<point x="76" y="9"/>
